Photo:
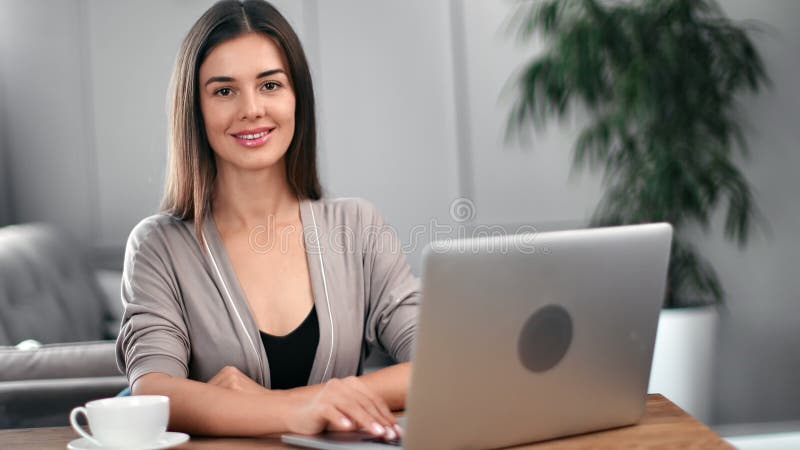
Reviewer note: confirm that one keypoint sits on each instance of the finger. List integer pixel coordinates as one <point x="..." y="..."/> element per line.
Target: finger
<point x="344" y="391"/>
<point x="369" y="406"/>
<point x="356" y="406"/>
<point x="377" y="402"/>
<point x="336" y="419"/>
<point x="218" y="380"/>
<point x="388" y="427"/>
<point x="224" y="374"/>
<point x="356" y="412"/>
<point x="377" y="406"/>
<point x="230" y="371"/>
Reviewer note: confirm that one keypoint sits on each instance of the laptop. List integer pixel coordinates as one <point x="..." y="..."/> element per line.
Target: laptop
<point x="529" y="337"/>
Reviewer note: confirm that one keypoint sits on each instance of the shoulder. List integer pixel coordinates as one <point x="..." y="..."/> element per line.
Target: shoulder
<point x="345" y="211"/>
<point x="153" y="228"/>
<point x="156" y="235"/>
<point x="346" y="221"/>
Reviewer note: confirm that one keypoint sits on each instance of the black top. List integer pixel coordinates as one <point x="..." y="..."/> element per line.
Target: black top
<point x="290" y="357"/>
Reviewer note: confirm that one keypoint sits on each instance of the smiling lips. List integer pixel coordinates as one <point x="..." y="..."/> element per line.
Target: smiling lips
<point x="253" y="138"/>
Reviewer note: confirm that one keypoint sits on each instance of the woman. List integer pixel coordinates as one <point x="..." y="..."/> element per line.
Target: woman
<point x="251" y="301"/>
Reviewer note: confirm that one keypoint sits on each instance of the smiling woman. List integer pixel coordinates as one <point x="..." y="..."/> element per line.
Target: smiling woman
<point x="248" y="337"/>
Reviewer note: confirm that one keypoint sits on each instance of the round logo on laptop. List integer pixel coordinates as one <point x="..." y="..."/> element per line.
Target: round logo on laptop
<point x="545" y="338"/>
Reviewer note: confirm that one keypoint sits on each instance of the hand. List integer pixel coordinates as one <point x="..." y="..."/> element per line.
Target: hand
<point x="232" y="378"/>
<point x="344" y="404"/>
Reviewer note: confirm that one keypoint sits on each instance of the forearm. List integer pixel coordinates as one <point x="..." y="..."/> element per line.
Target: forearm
<point x="205" y="409"/>
<point x="389" y="383"/>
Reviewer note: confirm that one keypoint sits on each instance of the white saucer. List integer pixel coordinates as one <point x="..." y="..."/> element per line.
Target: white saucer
<point x="167" y="440"/>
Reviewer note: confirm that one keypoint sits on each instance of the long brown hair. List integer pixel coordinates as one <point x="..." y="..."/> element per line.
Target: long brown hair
<point x="192" y="168"/>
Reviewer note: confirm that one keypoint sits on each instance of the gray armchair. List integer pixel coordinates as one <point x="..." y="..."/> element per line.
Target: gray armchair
<point x="49" y="293"/>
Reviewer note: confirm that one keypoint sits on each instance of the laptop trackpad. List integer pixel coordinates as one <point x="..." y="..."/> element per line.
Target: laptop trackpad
<point x="342" y="439"/>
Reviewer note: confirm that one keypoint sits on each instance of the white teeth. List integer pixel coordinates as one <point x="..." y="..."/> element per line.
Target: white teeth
<point x="252" y="136"/>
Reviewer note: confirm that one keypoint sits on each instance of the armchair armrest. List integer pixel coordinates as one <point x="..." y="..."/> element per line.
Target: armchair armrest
<point x="43" y="403"/>
<point x="54" y="361"/>
<point x="38" y="387"/>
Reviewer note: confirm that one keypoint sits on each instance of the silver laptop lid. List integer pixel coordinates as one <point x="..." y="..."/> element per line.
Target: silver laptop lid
<point x="530" y="337"/>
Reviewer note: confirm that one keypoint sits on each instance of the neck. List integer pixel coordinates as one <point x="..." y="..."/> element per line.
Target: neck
<point x="243" y="199"/>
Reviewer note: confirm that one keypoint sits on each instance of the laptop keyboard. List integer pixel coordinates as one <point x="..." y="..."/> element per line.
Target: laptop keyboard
<point x="377" y="440"/>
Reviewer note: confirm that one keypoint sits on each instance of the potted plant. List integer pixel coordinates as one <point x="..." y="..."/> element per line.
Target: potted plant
<point x="659" y="80"/>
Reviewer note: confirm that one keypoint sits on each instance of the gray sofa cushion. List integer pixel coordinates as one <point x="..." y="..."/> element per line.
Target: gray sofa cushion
<point x="47" y="290"/>
<point x="85" y="359"/>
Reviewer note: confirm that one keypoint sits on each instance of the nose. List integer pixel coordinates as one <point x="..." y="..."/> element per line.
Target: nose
<point x="252" y="107"/>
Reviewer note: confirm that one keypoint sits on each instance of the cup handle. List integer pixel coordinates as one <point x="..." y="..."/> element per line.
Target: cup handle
<point x="73" y="420"/>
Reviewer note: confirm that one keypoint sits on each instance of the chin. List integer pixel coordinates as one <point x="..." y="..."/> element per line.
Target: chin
<point x="250" y="161"/>
<point x="256" y="164"/>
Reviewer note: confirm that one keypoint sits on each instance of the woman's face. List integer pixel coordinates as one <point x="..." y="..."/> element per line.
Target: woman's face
<point x="247" y="102"/>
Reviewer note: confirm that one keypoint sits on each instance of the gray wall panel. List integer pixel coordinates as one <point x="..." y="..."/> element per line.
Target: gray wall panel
<point x="47" y="133"/>
<point x="5" y="170"/>
<point x="132" y="47"/>
<point x="387" y="101"/>
<point x="758" y="361"/>
<point x="516" y="182"/>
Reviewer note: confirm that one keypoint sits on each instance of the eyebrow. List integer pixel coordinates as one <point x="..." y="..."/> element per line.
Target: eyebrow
<point x="263" y="74"/>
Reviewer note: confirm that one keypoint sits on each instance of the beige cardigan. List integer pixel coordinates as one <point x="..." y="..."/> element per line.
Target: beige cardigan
<point x="186" y="315"/>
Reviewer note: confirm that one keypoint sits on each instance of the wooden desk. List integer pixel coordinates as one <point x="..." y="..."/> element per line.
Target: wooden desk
<point x="664" y="426"/>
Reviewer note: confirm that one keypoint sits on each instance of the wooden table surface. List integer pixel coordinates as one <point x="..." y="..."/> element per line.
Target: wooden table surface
<point x="664" y="426"/>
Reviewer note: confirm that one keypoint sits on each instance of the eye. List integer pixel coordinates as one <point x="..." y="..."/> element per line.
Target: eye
<point x="270" y="86"/>
<point x="223" y="92"/>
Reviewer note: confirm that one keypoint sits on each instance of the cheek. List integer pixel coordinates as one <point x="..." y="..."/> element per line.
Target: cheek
<point x="213" y="117"/>
<point x="287" y="111"/>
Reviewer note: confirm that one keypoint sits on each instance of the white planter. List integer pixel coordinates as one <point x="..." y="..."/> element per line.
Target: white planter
<point x="684" y="357"/>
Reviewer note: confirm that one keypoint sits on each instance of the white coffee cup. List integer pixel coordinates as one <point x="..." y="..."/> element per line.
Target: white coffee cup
<point x="124" y="422"/>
